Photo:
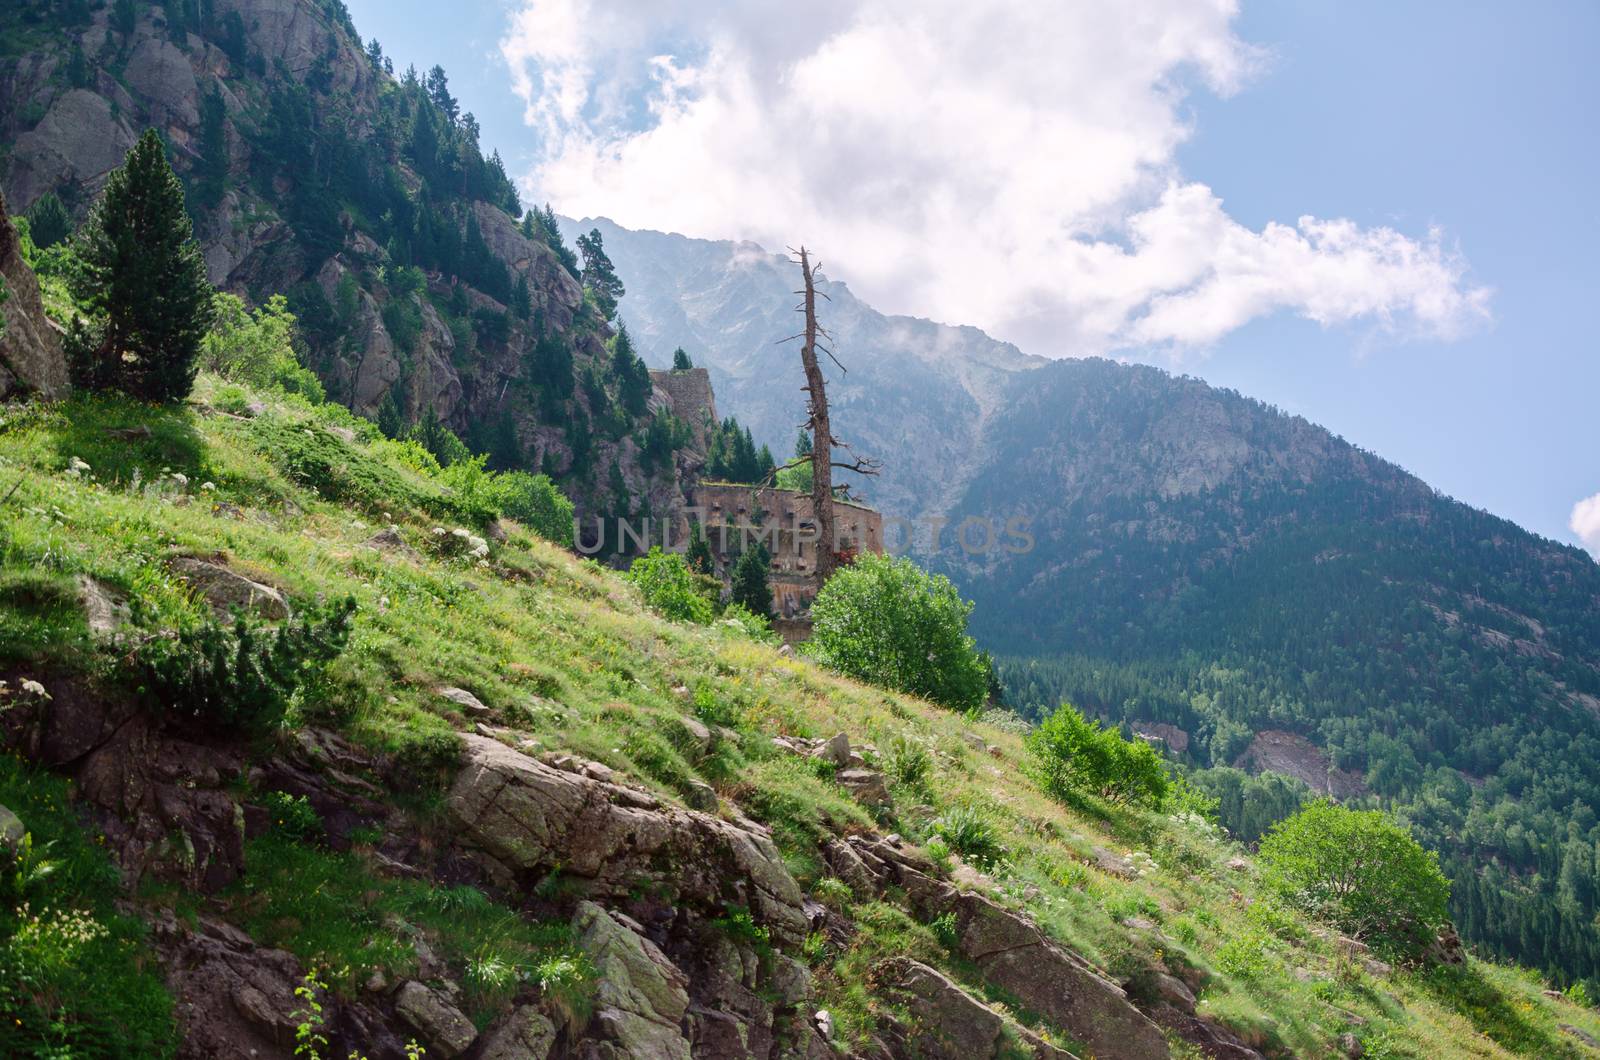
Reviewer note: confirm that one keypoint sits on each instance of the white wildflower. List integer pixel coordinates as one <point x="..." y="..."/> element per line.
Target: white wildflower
<point x="208" y="486"/>
<point x="76" y="467"/>
<point x="180" y="478"/>
<point x="34" y="688"/>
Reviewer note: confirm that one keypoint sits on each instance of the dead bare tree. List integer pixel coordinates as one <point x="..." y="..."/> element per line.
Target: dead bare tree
<point x="818" y="421"/>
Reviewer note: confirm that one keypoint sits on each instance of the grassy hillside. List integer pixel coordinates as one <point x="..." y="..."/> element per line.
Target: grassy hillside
<point x="563" y="654"/>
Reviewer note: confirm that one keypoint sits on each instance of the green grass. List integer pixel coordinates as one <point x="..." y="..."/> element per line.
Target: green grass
<point x="568" y="654"/>
<point x="76" y="978"/>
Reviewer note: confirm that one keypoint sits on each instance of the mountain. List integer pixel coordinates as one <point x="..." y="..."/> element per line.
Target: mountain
<point x="1209" y="571"/>
<point x="501" y="810"/>
<point x="315" y="172"/>
<point x="914" y="394"/>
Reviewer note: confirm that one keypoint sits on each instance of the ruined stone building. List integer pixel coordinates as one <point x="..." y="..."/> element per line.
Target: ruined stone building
<point x="737" y="516"/>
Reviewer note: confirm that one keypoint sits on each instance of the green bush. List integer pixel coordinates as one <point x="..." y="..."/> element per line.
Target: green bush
<point x="536" y="503"/>
<point x="240" y="677"/>
<point x="885" y="621"/>
<point x="1360" y="871"/>
<point x="257" y="347"/>
<point x="670" y="587"/>
<point x="1073" y="755"/>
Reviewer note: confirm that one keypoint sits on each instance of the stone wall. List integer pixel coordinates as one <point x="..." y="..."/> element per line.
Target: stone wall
<point x="689" y="396"/>
<point x="736" y="517"/>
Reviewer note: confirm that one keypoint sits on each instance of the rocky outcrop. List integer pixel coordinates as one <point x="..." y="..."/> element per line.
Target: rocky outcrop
<point x="440" y="1024"/>
<point x="31" y="361"/>
<point x="1011" y="953"/>
<point x="526" y="818"/>
<point x="947" y="1023"/>
<point x="79" y="142"/>
<point x="526" y="1034"/>
<point x="1276" y="751"/>
<point x="232" y="997"/>
<point x="640" y="996"/>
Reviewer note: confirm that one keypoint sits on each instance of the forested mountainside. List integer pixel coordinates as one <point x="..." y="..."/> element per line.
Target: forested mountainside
<point x="1204" y="562"/>
<point x="317" y="172"/>
<point x="1209" y="563"/>
<point x="916" y="394"/>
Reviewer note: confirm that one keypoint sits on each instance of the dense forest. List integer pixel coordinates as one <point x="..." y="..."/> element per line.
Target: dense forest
<point x="1230" y="570"/>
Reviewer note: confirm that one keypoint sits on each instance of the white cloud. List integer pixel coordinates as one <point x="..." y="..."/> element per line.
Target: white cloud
<point x="976" y="161"/>
<point x="1585" y="522"/>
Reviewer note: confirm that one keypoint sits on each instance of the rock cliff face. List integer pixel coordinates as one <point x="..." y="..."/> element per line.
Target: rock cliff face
<point x="256" y="81"/>
<point x="31" y="361"/>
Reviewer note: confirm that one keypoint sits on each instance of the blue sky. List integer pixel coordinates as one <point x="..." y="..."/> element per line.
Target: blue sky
<point x="1456" y="137"/>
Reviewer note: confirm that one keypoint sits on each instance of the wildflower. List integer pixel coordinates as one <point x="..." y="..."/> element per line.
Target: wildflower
<point x="208" y="486"/>
<point x="34" y="688"/>
<point x="180" y="478"/>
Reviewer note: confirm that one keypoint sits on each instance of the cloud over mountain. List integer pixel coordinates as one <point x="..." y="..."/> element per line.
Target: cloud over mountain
<point x="1009" y="165"/>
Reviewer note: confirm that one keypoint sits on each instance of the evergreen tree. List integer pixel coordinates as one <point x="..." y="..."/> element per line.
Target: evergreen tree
<point x="599" y="275"/>
<point x="143" y="283"/>
<point x="749" y="581"/>
<point x="680" y="360"/>
<point x="389" y="421"/>
<point x="48" y="221"/>
<point x="522" y="299"/>
<point x="633" y="378"/>
<point x="212" y="172"/>
<point x="698" y="553"/>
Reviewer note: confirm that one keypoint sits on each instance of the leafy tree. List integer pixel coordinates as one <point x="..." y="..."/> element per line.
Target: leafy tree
<point x="48" y="221"/>
<point x="750" y="587"/>
<point x="1072" y="754"/>
<point x="257" y="347"/>
<point x="885" y="621"/>
<point x="142" y="282"/>
<point x="797" y="476"/>
<point x="599" y="275"/>
<point x="671" y="588"/>
<point x="534" y="501"/>
<point x="1361" y="872"/>
<point x="680" y="360"/>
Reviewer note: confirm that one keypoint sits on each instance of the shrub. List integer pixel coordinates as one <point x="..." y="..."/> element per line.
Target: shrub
<point x="1360" y="871"/>
<point x="885" y="621"/>
<point x="536" y="503"/>
<point x="240" y="677"/>
<point x="670" y="587"/>
<point x="1072" y="754"/>
<point x="257" y="347"/>
<point x="971" y="835"/>
<point x="292" y="814"/>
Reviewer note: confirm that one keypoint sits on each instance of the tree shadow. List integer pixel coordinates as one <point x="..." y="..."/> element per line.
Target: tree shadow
<point x="1464" y="990"/>
<point x="121" y="439"/>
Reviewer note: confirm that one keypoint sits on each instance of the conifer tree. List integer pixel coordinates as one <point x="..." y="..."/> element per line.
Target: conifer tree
<point x="633" y="378"/>
<point x="680" y="360"/>
<point x="599" y="275"/>
<point x="749" y="582"/>
<point x="143" y="283"/>
<point x="48" y="222"/>
<point x="698" y="554"/>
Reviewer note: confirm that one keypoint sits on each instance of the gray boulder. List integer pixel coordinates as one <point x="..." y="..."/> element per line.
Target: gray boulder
<point x="947" y="1023"/>
<point x="640" y="996"/>
<point x="526" y="1034"/>
<point x="446" y="1031"/>
<point x="31" y="360"/>
<point x="227" y="591"/>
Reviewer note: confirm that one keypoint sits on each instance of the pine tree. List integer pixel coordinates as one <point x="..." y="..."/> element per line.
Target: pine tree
<point x="213" y="168"/>
<point x="143" y="282"/>
<point x="750" y="586"/>
<point x="599" y="275"/>
<point x="633" y="378"/>
<point x="48" y="222"/>
<point x="680" y="360"/>
<point x="389" y="421"/>
<point x="522" y="299"/>
<point x="698" y="555"/>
